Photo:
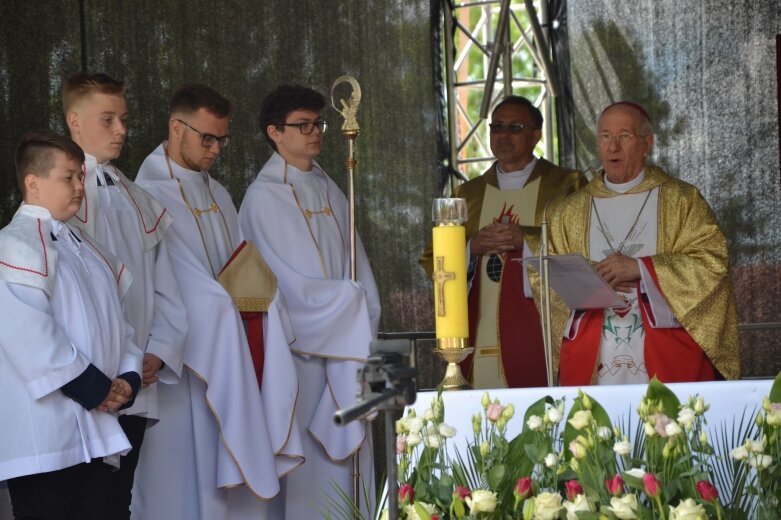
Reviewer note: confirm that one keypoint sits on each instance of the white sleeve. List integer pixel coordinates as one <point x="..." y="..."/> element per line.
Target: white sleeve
<point x="661" y="316"/>
<point x="169" y="323"/>
<point x="33" y="342"/>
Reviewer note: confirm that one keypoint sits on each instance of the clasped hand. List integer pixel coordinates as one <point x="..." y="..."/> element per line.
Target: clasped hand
<point x="620" y="271"/>
<point x="119" y="394"/>
<point x="497" y="238"/>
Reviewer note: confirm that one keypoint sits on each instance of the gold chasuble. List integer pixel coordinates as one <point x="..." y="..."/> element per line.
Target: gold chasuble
<point x="691" y="267"/>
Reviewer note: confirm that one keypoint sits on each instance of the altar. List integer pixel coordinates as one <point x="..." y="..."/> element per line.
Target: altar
<point x="727" y="400"/>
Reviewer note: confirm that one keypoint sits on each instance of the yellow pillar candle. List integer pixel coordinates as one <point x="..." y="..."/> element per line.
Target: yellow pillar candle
<point x="450" y="305"/>
<point x="450" y="299"/>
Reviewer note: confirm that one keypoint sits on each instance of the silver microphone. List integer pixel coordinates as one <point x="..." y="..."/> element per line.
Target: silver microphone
<point x="593" y="167"/>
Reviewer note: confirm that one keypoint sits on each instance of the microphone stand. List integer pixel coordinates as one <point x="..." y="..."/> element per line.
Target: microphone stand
<point x="544" y="255"/>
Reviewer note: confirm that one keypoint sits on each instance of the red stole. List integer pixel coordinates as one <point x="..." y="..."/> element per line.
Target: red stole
<point x="671" y="355"/>
<point x="253" y="325"/>
<point x="519" y="334"/>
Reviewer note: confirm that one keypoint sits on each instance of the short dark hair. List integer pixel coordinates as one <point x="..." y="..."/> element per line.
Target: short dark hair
<point x="34" y="154"/>
<point x="192" y="97"/>
<point x="522" y="101"/>
<point x="81" y="85"/>
<point x="285" y="99"/>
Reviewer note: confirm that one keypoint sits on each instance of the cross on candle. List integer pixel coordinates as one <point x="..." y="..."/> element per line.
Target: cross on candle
<point x="440" y="277"/>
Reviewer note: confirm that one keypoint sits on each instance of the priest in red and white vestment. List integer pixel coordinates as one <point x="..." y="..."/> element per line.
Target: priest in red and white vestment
<point x="504" y="325"/>
<point x="656" y="241"/>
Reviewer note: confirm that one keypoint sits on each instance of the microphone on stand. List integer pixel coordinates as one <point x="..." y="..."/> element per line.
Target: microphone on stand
<point x="593" y="167"/>
<point x="545" y="310"/>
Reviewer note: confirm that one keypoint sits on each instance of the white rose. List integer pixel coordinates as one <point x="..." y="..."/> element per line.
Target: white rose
<point x="622" y="448"/>
<point x="604" y="433"/>
<point x="534" y="423"/>
<point x="554" y="415"/>
<point x="581" y="419"/>
<point x="757" y="460"/>
<point x="409" y="509"/>
<point x="415" y="424"/>
<point x="428" y="415"/>
<point x="699" y="406"/>
<point x="686" y="417"/>
<point x="547" y="506"/>
<point x="625" y="507"/>
<point x="550" y="460"/>
<point x="581" y="503"/>
<point x="432" y="441"/>
<point x="413" y="439"/>
<point x="756" y="446"/>
<point x="447" y="431"/>
<point x="773" y="418"/>
<point x="650" y="431"/>
<point x="636" y="472"/>
<point x="739" y="453"/>
<point x="481" y="501"/>
<point x="672" y="429"/>
<point x="688" y="510"/>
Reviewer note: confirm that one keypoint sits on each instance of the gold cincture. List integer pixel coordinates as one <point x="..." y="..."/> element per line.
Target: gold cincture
<point x="211" y="209"/>
<point x="308" y="213"/>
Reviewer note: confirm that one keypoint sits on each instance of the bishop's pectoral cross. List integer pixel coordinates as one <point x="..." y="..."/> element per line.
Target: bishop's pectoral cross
<point x="440" y="277"/>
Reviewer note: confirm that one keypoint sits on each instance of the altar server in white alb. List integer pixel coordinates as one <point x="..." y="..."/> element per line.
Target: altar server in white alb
<point x="217" y="455"/>
<point x="132" y="225"/>
<point x="67" y="357"/>
<point x="297" y="216"/>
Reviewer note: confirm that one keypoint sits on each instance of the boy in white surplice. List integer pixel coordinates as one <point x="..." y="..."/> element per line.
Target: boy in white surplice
<point x="67" y="356"/>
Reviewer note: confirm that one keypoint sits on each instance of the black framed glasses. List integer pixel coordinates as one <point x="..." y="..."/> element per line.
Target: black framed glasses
<point x="512" y="128"/>
<point x="307" y="127"/>
<point x="208" y="140"/>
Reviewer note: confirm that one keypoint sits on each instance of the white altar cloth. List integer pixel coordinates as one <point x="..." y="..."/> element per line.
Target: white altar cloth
<point x="727" y="399"/>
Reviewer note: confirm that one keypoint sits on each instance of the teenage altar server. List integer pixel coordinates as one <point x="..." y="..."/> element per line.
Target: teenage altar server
<point x="297" y="216"/>
<point x="132" y="225"/>
<point x="67" y="357"/>
<point x="217" y="455"/>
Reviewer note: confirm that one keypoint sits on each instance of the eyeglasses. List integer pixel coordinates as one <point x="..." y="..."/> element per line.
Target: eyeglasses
<point x="208" y="140"/>
<point x="605" y="138"/>
<point x="512" y="128"/>
<point x="307" y="127"/>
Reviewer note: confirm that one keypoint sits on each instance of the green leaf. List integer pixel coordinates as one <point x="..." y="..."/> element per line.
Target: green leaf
<point x="458" y="508"/>
<point x="658" y="391"/>
<point x="775" y="390"/>
<point x="421" y="511"/>
<point x="496" y="475"/>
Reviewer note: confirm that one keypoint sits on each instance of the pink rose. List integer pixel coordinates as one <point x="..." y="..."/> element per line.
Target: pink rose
<point x="615" y="485"/>
<point x="494" y="412"/>
<point x="523" y="489"/>
<point x="651" y="485"/>
<point x="573" y="489"/>
<point x="401" y="444"/>
<point x="707" y="491"/>
<point x="406" y="494"/>
<point x="660" y="424"/>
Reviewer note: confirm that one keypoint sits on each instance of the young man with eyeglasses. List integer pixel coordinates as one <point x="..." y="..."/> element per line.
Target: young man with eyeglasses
<point x="212" y="457"/>
<point x="655" y="240"/>
<point x="504" y="325"/>
<point x="132" y="225"/>
<point x="297" y="216"/>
